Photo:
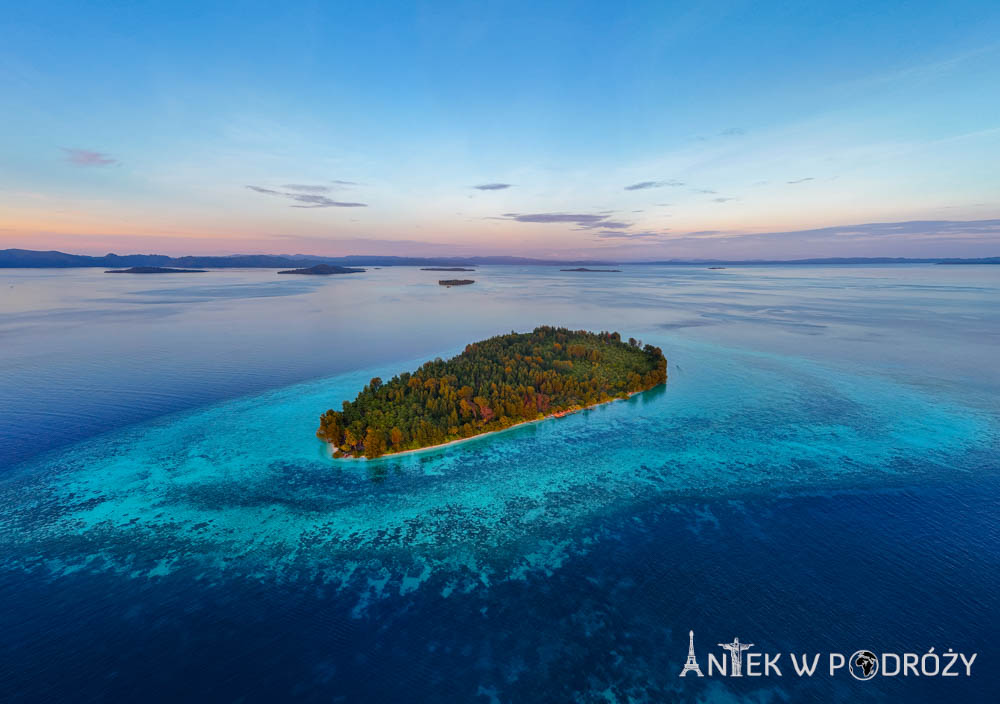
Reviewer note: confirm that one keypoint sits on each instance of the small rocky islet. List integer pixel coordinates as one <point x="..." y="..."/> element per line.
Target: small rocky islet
<point x="323" y="270"/>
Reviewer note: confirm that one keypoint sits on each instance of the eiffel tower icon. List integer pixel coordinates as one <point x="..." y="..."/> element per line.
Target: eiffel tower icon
<point x="691" y="665"/>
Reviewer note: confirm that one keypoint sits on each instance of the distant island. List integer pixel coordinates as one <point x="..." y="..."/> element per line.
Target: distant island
<point x="445" y="268"/>
<point x="324" y="270"/>
<point x="493" y="385"/>
<point x="456" y="282"/>
<point x="716" y="267"/>
<point x="596" y="271"/>
<point x="154" y="270"/>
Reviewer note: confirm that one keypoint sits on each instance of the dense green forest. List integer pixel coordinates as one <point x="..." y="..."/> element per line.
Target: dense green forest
<point x="493" y="384"/>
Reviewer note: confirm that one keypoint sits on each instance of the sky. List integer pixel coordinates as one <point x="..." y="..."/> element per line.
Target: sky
<point x="605" y="130"/>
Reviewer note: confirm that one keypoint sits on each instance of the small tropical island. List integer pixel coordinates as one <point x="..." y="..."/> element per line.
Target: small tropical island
<point x="154" y="270"/>
<point x="445" y="268"/>
<point x="323" y="270"/>
<point x="493" y="385"/>
<point x="595" y="271"/>
<point x="456" y="282"/>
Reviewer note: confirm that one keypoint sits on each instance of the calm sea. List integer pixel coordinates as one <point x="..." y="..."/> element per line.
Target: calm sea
<point x="819" y="474"/>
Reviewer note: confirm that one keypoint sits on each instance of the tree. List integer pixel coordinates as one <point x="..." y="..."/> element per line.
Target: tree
<point x="396" y="437"/>
<point x="374" y="443"/>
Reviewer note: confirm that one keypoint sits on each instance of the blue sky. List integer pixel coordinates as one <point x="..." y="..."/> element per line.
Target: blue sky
<point x="652" y="130"/>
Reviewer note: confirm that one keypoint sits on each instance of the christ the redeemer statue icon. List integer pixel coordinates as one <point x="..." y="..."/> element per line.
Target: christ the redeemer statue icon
<point x="736" y="656"/>
<point x="691" y="665"/>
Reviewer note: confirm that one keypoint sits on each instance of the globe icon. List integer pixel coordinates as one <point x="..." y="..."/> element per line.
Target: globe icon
<point x="863" y="664"/>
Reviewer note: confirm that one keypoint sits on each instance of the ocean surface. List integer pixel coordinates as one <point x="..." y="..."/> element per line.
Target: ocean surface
<point x="820" y="473"/>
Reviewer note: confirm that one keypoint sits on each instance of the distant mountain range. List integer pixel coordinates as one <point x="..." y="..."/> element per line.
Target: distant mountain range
<point x="28" y="258"/>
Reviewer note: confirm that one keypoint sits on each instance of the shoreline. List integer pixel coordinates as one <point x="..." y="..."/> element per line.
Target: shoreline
<point x="330" y="448"/>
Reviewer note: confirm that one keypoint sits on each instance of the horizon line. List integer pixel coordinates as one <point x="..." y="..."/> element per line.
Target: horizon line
<point x="479" y="257"/>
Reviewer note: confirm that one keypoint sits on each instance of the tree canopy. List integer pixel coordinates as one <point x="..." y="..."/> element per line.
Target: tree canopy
<point x="493" y="384"/>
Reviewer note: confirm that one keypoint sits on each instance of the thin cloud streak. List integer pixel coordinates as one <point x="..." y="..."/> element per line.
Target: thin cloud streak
<point x="614" y="234"/>
<point x="643" y="185"/>
<point x="576" y="218"/>
<point x="306" y="188"/>
<point x="612" y="225"/>
<point x="86" y="157"/>
<point x="315" y="201"/>
<point x="310" y="200"/>
<point x="583" y="221"/>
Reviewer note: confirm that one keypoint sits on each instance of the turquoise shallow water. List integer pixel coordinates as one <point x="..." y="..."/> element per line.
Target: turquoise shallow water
<point x="819" y="427"/>
<point x="244" y="486"/>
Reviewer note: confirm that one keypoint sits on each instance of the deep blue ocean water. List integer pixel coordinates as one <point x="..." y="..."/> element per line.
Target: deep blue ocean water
<point x="819" y="474"/>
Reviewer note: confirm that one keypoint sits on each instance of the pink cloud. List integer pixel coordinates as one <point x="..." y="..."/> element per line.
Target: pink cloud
<point x="86" y="157"/>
